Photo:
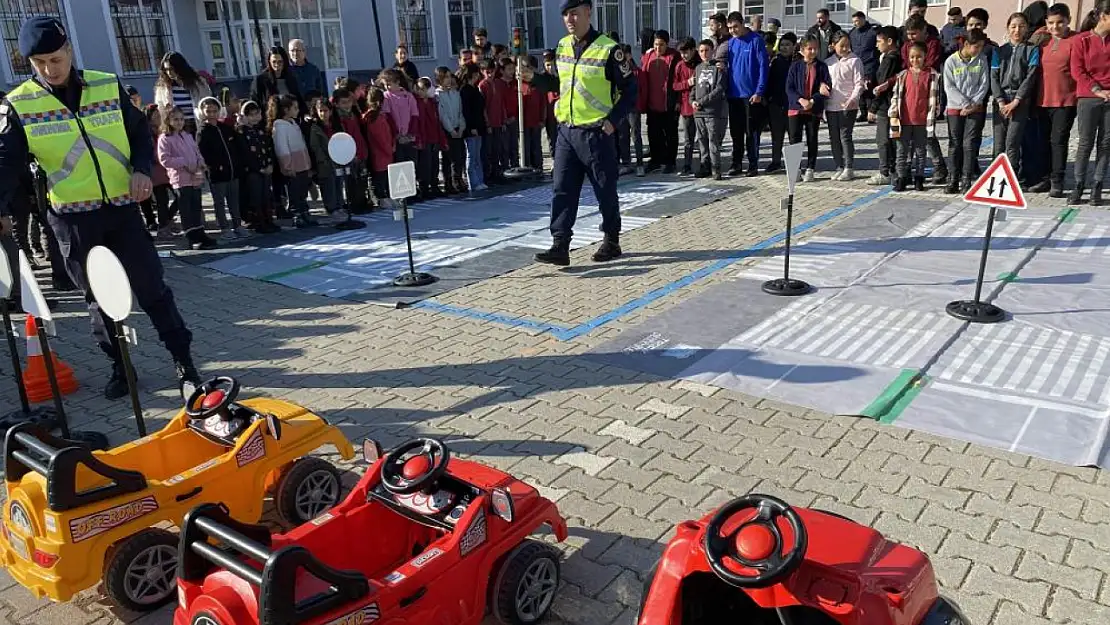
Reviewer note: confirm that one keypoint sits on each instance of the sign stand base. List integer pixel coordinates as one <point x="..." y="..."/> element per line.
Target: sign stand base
<point x="522" y="173"/>
<point x="786" y="287"/>
<point x="92" y="440"/>
<point x="975" y="312"/>
<point x="412" y="278"/>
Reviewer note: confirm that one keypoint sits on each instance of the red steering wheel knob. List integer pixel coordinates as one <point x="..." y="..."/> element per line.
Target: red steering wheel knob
<point x="755" y="542"/>
<point x="416" y="466"/>
<point x="212" y="399"/>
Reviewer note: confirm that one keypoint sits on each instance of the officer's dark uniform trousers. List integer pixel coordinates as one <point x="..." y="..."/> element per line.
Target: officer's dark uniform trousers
<point x="582" y="153"/>
<point x="122" y="230"/>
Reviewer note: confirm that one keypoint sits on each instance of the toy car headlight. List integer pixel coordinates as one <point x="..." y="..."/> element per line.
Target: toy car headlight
<point x="502" y="503"/>
<point x="371" y="450"/>
<point x="19" y="518"/>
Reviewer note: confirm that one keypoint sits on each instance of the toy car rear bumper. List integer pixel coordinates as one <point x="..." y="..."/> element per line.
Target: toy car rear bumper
<point x="34" y="578"/>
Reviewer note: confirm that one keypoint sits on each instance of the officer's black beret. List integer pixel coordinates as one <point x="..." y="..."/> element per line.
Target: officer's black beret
<point x="566" y="5"/>
<point x="41" y="35"/>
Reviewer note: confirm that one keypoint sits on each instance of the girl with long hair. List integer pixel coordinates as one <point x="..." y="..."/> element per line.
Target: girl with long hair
<point x="179" y="85"/>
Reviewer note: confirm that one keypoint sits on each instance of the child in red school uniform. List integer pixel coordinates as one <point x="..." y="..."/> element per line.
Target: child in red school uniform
<point x="1056" y="95"/>
<point x="1090" y="65"/>
<point x="511" y="149"/>
<point x="431" y="139"/>
<point x="346" y="118"/>
<point x="535" y="118"/>
<point x="491" y="88"/>
<point x="382" y="139"/>
<point x="913" y="114"/>
<point x="684" y="80"/>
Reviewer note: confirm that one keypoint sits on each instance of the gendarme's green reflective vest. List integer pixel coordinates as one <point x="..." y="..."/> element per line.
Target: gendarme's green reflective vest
<point x="585" y="95"/>
<point x="85" y="153"/>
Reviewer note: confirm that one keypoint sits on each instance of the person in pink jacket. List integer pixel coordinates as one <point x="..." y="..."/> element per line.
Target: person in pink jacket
<point x="179" y="154"/>
<point x="846" y="71"/>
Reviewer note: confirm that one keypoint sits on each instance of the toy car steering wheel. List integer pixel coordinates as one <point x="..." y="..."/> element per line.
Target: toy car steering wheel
<point x="404" y="473"/>
<point x="212" y="398"/>
<point x="756" y="544"/>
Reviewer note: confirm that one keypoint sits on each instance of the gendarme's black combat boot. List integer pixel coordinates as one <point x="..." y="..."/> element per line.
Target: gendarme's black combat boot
<point x="558" y="254"/>
<point x="186" y="371"/>
<point x="610" y="249"/>
<point x="117" y="383"/>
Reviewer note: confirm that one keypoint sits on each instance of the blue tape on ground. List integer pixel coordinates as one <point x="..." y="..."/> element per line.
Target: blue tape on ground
<point x="500" y="318"/>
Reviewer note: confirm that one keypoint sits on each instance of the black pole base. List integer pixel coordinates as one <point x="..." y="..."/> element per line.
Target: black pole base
<point x="350" y="224"/>
<point x="414" y="279"/>
<point x="786" y="288"/>
<point x="975" y="312"/>
<point x="93" y="440"/>
<point x="44" y="417"/>
<point x="522" y="173"/>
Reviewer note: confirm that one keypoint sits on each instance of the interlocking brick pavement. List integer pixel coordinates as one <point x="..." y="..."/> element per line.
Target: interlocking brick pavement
<point x="1016" y="541"/>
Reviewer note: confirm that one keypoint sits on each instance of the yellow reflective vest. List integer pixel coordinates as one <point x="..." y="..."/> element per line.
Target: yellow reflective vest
<point x="585" y="94"/>
<point x="85" y="153"/>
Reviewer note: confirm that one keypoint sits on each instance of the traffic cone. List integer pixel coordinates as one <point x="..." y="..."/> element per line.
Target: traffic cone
<point x="35" y="380"/>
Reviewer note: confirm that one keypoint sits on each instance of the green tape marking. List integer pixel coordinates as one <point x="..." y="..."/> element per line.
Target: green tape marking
<point x="1068" y="215"/>
<point x="289" y="272"/>
<point x="1008" y="276"/>
<point x="896" y="397"/>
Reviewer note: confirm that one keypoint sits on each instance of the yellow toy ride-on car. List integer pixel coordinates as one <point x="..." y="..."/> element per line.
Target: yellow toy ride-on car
<point x="75" y="516"/>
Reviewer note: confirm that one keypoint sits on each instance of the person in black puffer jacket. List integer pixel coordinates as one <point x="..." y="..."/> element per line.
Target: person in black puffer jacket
<point x="219" y="145"/>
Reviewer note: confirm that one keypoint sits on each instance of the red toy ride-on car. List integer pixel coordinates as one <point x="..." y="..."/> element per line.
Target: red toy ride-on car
<point x="423" y="539"/>
<point x="757" y="561"/>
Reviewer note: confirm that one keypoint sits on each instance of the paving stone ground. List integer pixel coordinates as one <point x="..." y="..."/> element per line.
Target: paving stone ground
<point x="1016" y="540"/>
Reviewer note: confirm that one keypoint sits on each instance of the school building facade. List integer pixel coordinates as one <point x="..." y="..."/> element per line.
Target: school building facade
<point x="228" y="38"/>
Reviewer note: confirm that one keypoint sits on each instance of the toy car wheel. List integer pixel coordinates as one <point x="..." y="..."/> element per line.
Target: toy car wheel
<point x="308" y="489"/>
<point x="204" y="618"/>
<point x="526" y="583"/>
<point x="141" y="573"/>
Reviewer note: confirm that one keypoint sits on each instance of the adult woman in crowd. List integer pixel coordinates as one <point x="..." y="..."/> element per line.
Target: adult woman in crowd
<point x="276" y="79"/>
<point x="180" y="85"/>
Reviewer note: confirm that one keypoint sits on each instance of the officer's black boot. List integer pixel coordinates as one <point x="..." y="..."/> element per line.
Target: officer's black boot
<point x="559" y="254"/>
<point x="610" y="249"/>
<point x="117" y="383"/>
<point x="186" y="371"/>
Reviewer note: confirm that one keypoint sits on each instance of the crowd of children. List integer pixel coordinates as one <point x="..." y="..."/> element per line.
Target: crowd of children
<point x="461" y="127"/>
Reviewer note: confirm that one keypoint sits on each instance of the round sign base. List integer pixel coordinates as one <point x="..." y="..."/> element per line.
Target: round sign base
<point x="93" y="440"/>
<point x="975" y="312"/>
<point x="786" y="288"/>
<point x="522" y="173"/>
<point x="350" y="224"/>
<point x="414" y="279"/>
<point x="44" y="417"/>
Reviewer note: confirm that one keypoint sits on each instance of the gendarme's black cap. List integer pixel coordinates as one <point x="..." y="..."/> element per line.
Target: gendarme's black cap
<point x="41" y="35"/>
<point x="566" y="5"/>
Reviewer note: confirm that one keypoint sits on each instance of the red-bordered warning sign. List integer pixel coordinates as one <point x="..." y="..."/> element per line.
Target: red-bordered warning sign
<point x="998" y="186"/>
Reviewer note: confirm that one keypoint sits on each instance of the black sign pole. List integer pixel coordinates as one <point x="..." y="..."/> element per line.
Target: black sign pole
<point x="784" y="286"/>
<point x="412" y="278"/>
<point x="350" y="223"/>
<point x="975" y="310"/>
<point x="94" y="440"/>
<point x="132" y="381"/>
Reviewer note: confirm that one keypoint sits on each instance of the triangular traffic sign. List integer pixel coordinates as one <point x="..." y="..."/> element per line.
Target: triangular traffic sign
<point x="998" y="186"/>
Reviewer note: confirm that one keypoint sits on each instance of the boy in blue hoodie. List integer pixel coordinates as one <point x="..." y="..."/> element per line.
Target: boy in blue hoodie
<point x="748" y="66"/>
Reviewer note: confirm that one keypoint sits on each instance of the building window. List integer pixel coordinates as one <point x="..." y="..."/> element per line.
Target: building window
<point x="678" y="14"/>
<point x="837" y="6"/>
<point x="414" y="28"/>
<point x="462" y="19"/>
<point x="934" y="3"/>
<point x="12" y="15"/>
<point x="709" y="8"/>
<point x="607" y="16"/>
<point x="528" y="14"/>
<point x="753" y="8"/>
<point x="878" y="4"/>
<point x="645" y="15"/>
<point x="143" y="34"/>
<point x="315" y="22"/>
<point x="794" y="7"/>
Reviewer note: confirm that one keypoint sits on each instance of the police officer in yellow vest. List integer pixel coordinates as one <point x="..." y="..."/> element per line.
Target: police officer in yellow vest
<point x="97" y="152"/>
<point x="596" y="89"/>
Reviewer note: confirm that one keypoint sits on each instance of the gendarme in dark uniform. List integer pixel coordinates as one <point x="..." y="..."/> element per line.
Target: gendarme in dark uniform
<point x="95" y="148"/>
<point x="596" y="90"/>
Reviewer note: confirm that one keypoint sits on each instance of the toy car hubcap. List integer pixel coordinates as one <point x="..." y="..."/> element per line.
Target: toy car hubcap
<point x="204" y="620"/>
<point x="318" y="492"/>
<point x="536" y="589"/>
<point x="150" y="576"/>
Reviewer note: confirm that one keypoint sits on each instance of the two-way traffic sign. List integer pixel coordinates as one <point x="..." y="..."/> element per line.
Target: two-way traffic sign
<point x="998" y="186"/>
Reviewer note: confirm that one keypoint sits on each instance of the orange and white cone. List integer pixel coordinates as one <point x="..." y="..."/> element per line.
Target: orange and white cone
<point x="35" y="379"/>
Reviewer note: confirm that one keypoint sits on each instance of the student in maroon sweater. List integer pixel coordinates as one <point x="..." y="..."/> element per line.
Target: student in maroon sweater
<point x="382" y="141"/>
<point x="684" y="81"/>
<point x="430" y="139"/>
<point x="917" y="31"/>
<point x="493" y="148"/>
<point x="1090" y="66"/>
<point x="345" y="118"/>
<point x="534" y="118"/>
<point x="511" y="136"/>
<point x="662" y="113"/>
<point x="1057" y="94"/>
